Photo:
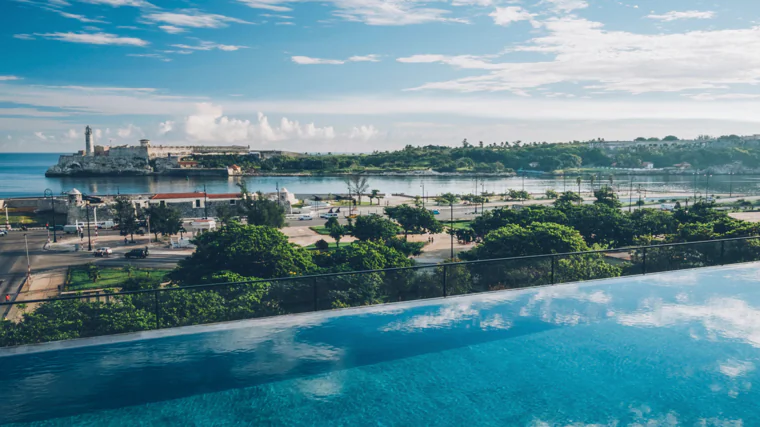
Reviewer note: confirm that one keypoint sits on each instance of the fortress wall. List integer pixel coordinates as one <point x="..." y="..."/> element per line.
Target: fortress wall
<point x="128" y="152"/>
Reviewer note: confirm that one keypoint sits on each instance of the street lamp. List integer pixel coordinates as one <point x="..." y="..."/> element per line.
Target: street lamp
<point x="423" y="194"/>
<point x="707" y="185"/>
<point x="451" y="226"/>
<point x="87" y="211"/>
<point x="731" y="184"/>
<point x="28" y="263"/>
<point x="49" y="193"/>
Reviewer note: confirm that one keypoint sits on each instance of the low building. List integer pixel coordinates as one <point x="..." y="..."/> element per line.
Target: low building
<point x="196" y="204"/>
<point x="647" y="165"/>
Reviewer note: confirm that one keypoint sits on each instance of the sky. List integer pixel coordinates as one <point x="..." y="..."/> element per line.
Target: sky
<point x="366" y="75"/>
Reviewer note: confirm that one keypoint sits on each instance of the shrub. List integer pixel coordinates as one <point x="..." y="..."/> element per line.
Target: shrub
<point x="321" y="245"/>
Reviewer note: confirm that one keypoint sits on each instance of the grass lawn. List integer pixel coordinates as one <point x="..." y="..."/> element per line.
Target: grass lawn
<point x="320" y="229"/>
<point x="458" y="224"/>
<point x="109" y="277"/>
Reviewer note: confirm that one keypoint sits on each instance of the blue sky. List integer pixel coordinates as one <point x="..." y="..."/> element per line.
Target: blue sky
<point x="364" y="75"/>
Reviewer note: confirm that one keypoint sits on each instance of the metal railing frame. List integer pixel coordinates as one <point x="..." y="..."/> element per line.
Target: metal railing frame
<point x="552" y="256"/>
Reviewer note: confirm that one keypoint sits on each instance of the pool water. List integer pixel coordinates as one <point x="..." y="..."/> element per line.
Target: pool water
<point x="679" y="348"/>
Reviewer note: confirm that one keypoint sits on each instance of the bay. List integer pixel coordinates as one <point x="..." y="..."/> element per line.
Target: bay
<point x="23" y="175"/>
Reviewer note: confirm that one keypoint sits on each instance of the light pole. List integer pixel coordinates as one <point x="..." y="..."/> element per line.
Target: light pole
<point x="423" y="194"/>
<point x="49" y="192"/>
<point x="695" y="185"/>
<point x="7" y="223"/>
<point x="87" y="211"/>
<point x="630" y="196"/>
<point x="205" y="201"/>
<point x="451" y="225"/>
<point x="707" y="185"/>
<point x="730" y="184"/>
<point x="28" y="263"/>
<point x="482" y="198"/>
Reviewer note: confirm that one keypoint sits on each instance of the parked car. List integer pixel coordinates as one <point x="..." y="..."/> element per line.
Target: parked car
<point x="435" y="211"/>
<point x="103" y="252"/>
<point x="305" y="218"/>
<point x="3" y="233"/>
<point x="328" y="215"/>
<point x="136" y="253"/>
<point x="56" y="228"/>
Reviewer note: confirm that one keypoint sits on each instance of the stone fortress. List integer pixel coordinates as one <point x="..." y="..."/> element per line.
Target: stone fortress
<point x="143" y="159"/>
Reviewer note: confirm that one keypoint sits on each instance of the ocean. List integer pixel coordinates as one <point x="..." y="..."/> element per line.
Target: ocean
<point x="23" y="175"/>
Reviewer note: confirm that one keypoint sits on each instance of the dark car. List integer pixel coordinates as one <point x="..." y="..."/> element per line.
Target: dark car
<point x="139" y="232"/>
<point x="136" y="253"/>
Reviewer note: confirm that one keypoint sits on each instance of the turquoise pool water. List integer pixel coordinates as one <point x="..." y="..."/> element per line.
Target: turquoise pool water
<point x="679" y="348"/>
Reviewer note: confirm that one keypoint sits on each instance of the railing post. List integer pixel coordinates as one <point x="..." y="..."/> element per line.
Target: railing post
<point x="316" y="298"/>
<point x="722" y="251"/>
<point x="644" y="261"/>
<point x="158" y="319"/>
<point x="553" y="262"/>
<point x="445" y="274"/>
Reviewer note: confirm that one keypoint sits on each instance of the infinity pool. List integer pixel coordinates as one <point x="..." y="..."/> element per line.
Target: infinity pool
<point x="678" y="348"/>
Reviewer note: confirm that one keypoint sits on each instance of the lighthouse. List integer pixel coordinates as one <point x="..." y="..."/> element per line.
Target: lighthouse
<point x="89" y="142"/>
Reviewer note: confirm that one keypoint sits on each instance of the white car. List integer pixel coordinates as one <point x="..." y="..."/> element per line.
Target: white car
<point x="328" y="215"/>
<point x="305" y="218"/>
<point x="103" y="252"/>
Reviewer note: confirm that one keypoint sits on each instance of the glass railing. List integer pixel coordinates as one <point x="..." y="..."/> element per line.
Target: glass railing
<point x="111" y="312"/>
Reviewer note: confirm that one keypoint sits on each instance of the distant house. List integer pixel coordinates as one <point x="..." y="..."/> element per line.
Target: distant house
<point x="234" y="170"/>
<point x="647" y="165"/>
<point x="533" y="164"/>
<point x="187" y="164"/>
<point x="682" y="166"/>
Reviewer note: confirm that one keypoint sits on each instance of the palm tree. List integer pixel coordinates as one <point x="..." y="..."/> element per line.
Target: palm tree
<point x="374" y="194"/>
<point x="591" y="181"/>
<point x="578" y="181"/>
<point x="611" y="180"/>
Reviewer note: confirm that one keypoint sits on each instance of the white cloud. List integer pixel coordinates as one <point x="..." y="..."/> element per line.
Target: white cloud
<point x="507" y="15"/>
<point x="284" y="23"/>
<point x="206" y="45"/>
<point x="99" y="133"/>
<point x="165" y="127"/>
<point x="584" y="53"/>
<point x="274" y="15"/>
<point x="150" y="55"/>
<point x="736" y="368"/>
<point x="209" y="124"/>
<point x="119" y="3"/>
<point x="193" y="18"/>
<point x="131" y="131"/>
<point x="94" y="38"/>
<point x="365" y="58"/>
<point x="23" y="36"/>
<point x="80" y="18"/>
<point x="364" y="133"/>
<point x="7" y="78"/>
<point x="567" y="5"/>
<point x="371" y="12"/>
<point x="307" y="60"/>
<point x="171" y="29"/>
<point x="460" y="61"/>
<point x="275" y="5"/>
<point x="41" y="136"/>
<point x="690" y="14"/>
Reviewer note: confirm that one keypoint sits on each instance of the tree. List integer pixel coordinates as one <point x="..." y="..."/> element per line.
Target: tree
<point x="551" y="194"/>
<point x="567" y="199"/>
<point x="605" y="196"/>
<point x="373" y="227"/>
<point x="414" y="220"/>
<point x="164" y="219"/>
<point x="93" y="272"/>
<point x="321" y="245"/>
<point x="357" y="184"/>
<point x="227" y="213"/>
<point x="640" y="139"/>
<point x="261" y="211"/>
<point x="578" y="181"/>
<point x="374" y="194"/>
<point x="337" y="232"/>
<point x="124" y="211"/>
<point x="248" y="250"/>
<point x="536" y="239"/>
<point x="448" y="199"/>
<point x="670" y="138"/>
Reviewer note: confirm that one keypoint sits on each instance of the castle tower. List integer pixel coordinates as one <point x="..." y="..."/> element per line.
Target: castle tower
<point x="89" y="142"/>
<point x="145" y="143"/>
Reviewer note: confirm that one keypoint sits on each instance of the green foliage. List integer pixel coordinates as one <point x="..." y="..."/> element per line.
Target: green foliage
<point x="519" y="195"/>
<point x="414" y="220"/>
<point x="606" y="196"/>
<point x="248" y="250"/>
<point x="568" y="198"/>
<point x="261" y="211"/>
<point x="321" y="245"/>
<point x="551" y="194"/>
<point x="374" y="227"/>
<point x="536" y="239"/>
<point x="93" y="272"/>
<point x="447" y="199"/>
<point x="164" y="219"/>
<point x="126" y="216"/>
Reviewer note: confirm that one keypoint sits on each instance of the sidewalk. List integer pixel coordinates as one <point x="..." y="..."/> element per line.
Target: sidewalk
<point x="44" y="285"/>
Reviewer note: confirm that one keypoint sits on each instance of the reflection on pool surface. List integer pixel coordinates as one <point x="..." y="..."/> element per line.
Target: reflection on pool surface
<point x="679" y="348"/>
